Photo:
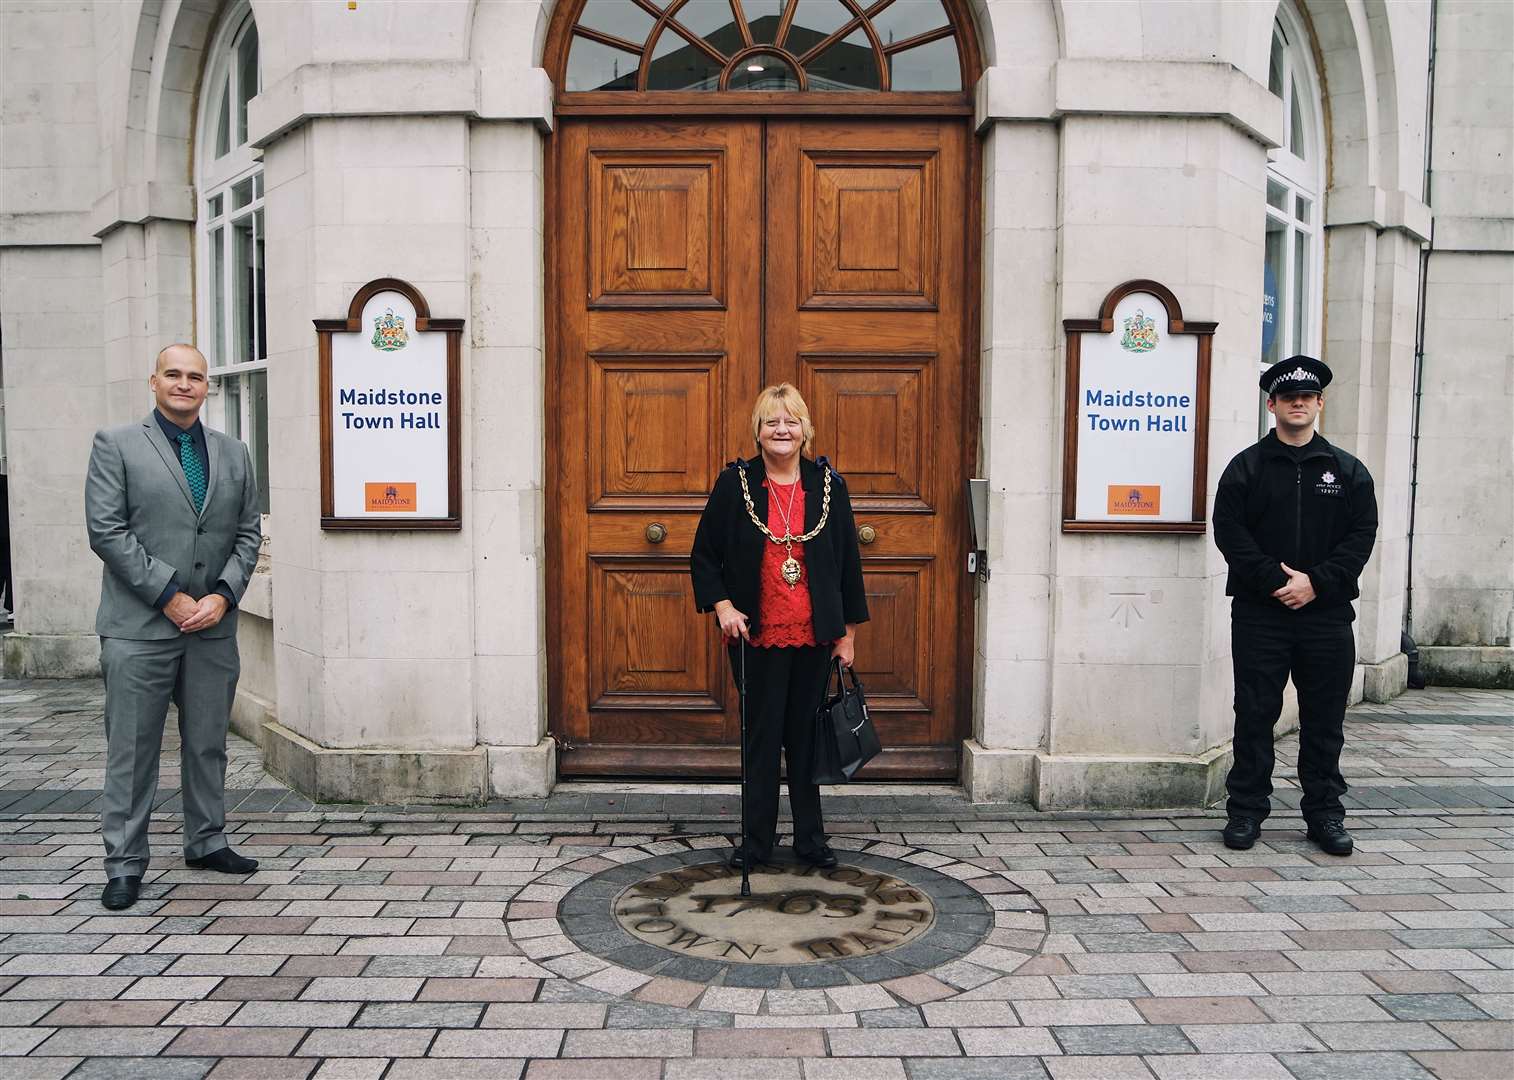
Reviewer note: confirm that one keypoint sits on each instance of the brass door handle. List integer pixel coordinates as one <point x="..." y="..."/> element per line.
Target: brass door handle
<point x="867" y="534"/>
<point x="657" y="532"/>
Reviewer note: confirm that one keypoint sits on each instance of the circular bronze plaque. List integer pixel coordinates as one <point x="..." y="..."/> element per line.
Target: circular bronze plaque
<point x="795" y="915"/>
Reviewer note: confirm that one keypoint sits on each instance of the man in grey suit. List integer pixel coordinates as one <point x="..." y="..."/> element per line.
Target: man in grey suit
<point x="172" y="511"/>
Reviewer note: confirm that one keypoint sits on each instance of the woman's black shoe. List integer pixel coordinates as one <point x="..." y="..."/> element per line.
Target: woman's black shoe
<point x="120" y="892"/>
<point x="1330" y="835"/>
<point x="825" y="858"/>
<point x="1241" y="833"/>
<point x="738" y="860"/>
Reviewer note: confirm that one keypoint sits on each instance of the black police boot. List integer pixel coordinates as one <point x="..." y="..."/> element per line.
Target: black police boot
<point x="1241" y="832"/>
<point x="1330" y="836"/>
<point x="824" y="858"/>
<point x="224" y="861"/>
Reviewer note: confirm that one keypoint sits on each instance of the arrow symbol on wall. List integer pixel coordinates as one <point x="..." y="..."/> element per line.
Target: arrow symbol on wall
<point x="1124" y="607"/>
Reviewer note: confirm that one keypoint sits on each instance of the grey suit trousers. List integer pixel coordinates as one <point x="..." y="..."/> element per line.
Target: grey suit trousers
<point x="199" y="675"/>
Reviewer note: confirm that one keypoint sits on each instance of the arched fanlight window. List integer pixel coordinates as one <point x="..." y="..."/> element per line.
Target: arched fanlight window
<point x="1293" y="248"/>
<point x="775" y="45"/>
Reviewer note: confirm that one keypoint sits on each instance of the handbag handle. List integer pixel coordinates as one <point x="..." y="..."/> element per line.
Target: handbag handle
<point x="839" y="673"/>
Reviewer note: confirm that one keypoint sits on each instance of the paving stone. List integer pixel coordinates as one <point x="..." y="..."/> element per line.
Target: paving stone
<point x="1007" y="1042"/>
<point x="427" y="1014"/>
<point x="597" y="1069"/>
<point x="539" y="1015"/>
<point x="1307" y="1008"/>
<point x="313" y="1014"/>
<point x="1430" y="1007"/>
<point x="107" y="1041"/>
<point x="1381" y="1036"/>
<point x="262" y="1068"/>
<point x="627" y="1042"/>
<point x="905" y="1016"/>
<point x="1217" y="1067"/>
<point x="457" y="1069"/>
<point x="1265" y="1038"/>
<point x="351" y="1069"/>
<point x="892" y="1042"/>
<point x="1468" y="1064"/>
<point x="1132" y="1039"/>
<point x="1081" y="1067"/>
<point x="241" y="1042"/>
<point x="109" y="1013"/>
<point x="1200" y="1010"/>
<point x="374" y="1042"/>
<point x="726" y="1068"/>
<point x="142" y="1068"/>
<point x="1478" y="1034"/>
<point x="1367" y="1066"/>
<point x="1091" y="1011"/>
<point x="982" y="1068"/>
<point x="853" y="1069"/>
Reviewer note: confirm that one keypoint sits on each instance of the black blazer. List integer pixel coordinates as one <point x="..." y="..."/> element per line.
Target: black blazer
<point x="727" y="557"/>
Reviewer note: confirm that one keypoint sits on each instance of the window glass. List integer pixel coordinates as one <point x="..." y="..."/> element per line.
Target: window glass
<point x="815" y="21"/>
<point x="213" y="207"/>
<point x="678" y="65"/>
<point x="247" y="77"/>
<point x="241" y="194"/>
<point x="1275" y="66"/>
<point x="903" y="19"/>
<point x="933" y="66"/>
<point x="1277" y="194"/>
<point x="1299" y="316"/>
<point x="257" y="436"/>
<point x="1301" y="208"/>
<point x="759" y="72"/>
<point x="620" y="18"/>
<point x="259" y="288"/>
<point x="244" y="286"/>
<point x="714" y="21"/>
<point x="849" y="64"/>
<point x="1275" y="251"/>
<point x="223" y="123"/>
<point x="593" y="66"/>
<point x="217" y="296"/>
<point x="232" y="389"/>
<point x="763" y="17"/>
<point x="1296" y="133"/>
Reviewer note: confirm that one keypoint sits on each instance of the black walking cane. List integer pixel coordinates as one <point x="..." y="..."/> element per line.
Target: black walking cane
<point x="741" y="848"/>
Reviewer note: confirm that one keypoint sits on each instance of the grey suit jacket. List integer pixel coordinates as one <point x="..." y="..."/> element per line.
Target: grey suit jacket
<point x="143" y="525"/>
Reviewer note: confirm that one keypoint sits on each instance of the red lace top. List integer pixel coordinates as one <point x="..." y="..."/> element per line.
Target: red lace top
<point x="787" y="617"/>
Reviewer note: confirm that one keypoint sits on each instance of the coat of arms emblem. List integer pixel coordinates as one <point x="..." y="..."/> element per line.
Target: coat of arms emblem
<point x="389" y="332"/>
<point x="1140" y="333"/>
<point x="1328" y="477"/>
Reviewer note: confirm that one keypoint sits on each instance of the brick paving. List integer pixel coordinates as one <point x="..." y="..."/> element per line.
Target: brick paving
<point x="424" y="941"/>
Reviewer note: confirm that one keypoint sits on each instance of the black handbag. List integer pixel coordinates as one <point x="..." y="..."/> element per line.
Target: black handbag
<point x="845" y="739"/>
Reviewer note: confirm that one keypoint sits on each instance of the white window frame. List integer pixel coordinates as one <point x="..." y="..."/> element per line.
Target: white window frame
<point x="1299" y="178"/>
<point x="216" y="178"/>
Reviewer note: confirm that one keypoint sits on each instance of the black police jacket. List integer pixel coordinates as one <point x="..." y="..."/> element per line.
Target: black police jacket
<point x="727" y="558"/>
<point x="1318" y="515"/>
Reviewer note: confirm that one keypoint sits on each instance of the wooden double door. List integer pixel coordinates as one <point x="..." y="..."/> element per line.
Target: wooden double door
<point x="696" y="262"/>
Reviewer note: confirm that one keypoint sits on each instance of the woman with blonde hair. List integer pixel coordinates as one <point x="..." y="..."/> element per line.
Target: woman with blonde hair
<point x="776" y="559"/>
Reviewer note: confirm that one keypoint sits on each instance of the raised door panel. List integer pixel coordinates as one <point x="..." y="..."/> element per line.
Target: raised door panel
<point x="875" y="410"/>
<point x="656" y="234"/>
<point x="869" y="232"/>
<point x="657" y="424"/>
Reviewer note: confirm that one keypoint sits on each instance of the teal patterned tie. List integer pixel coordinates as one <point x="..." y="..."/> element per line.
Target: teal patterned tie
<point x="193" y="472"/>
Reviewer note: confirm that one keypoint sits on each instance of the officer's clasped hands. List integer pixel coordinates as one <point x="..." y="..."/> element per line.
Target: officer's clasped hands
<point x="1299" y="590"/>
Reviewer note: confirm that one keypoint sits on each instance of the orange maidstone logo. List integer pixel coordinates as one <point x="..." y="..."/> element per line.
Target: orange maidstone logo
<point x="389" y="498"/>
<point x="1135" y="500"/>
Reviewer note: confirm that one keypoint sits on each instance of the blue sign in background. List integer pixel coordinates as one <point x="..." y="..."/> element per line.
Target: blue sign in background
<point x="1269" y="309"/>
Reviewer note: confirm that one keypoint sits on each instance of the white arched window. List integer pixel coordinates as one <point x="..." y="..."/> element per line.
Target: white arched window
<point x="231" y="318"/>
<point x="1293" y="258"/>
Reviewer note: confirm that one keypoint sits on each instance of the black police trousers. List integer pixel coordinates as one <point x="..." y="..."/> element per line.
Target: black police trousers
<point x="784" y="689"/>
<point x="1318" y="649"/>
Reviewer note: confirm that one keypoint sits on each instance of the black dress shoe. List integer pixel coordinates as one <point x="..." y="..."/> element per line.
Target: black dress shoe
<point x="825" y="858"/>
<point x="1330" y="836"/>
<point x="741" y="859"/>
<point x="1241" y="833"/>
<point x="121" y="892"/>
<point x="224" y="861"/>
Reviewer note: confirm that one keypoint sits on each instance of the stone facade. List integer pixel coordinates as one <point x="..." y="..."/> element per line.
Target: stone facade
<point x="1118" y="140"/>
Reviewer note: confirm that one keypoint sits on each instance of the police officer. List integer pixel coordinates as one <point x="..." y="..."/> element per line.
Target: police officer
<point x="1295" y="518"/>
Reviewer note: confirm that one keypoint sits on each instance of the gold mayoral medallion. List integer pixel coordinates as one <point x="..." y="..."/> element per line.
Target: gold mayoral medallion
<point x="790" y="569"/>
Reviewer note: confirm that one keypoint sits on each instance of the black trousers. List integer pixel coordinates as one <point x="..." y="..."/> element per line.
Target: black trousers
<point x="1319" y="650"/>
<point x="784" y="688"/>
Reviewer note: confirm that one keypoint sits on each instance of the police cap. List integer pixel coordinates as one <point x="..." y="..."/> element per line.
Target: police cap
<point x="1295" y="375"/>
